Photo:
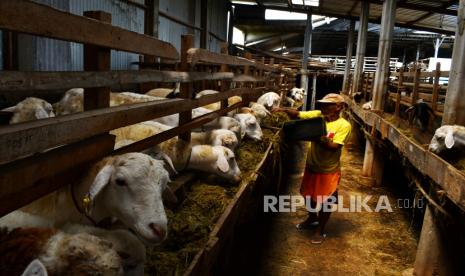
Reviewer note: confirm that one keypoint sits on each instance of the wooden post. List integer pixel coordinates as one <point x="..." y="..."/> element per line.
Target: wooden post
<point x="432" y="256"/>
<point x="437" y="75"/>
<point x="97" y="59"/>
<point x="203" y="23"/>
<point x="10" y="44"/>
<point x="399" y="91"/>
<point x="225" y="85"/>
<point x="151" y="29"/>
<point x="361" y="46"/>
<point x="348" y="65"/>
<point x="186" y="91"/>
<point x="269" y="81"/>
<point x="246" y="98"/>
<point x="416" y="82"/>
<point x="364" y="85"/>
<point x="454" y="107"/>
<point x="381" y="80"/>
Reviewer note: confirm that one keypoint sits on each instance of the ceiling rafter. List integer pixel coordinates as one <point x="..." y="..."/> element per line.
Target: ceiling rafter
<point x="417" y="7"/>
<point x="318" y="11"/>
<point x="428" y="14"/>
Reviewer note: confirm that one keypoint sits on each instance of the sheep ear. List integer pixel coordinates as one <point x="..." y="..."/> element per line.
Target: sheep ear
<point x="35" y="268"/>
<point x="100" y="181"/>
<point x="10" y="109"/>
<point x="222" y="163"/>
<point x="449" y="140"/>
<point x="41" y="114"/>
<point x="166" y="159"/>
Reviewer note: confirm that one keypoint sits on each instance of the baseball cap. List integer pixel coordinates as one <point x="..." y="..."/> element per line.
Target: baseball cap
<point x="332" y="98"/>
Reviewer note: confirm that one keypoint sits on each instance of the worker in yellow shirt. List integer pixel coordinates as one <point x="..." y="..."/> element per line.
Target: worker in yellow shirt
<point x="323" y="169"/>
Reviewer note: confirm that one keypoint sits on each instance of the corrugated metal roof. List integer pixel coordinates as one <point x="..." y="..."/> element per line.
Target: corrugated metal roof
<point x="424" y="14"/>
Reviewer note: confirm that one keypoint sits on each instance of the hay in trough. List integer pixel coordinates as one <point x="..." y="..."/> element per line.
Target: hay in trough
<point x="190" y="225"/>
<point x="276" y="119"/>
<point x="189" y="228"/>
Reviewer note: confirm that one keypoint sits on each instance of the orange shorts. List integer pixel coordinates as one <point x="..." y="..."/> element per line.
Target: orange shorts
<point x="319" y="184"/>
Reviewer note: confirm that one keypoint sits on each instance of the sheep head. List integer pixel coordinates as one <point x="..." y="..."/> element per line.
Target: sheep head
<point x="31" y="109"/>
<point x="251" y="126"/>
<point x="218" y="160"/>
<point x="130" y="188"/>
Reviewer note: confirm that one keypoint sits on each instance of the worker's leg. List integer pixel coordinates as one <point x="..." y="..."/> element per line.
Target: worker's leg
<point x="312" y="219"/>
<point x="323" y="217"/>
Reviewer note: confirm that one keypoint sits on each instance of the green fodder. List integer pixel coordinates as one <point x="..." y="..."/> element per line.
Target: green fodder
<point x="250" y="153"/>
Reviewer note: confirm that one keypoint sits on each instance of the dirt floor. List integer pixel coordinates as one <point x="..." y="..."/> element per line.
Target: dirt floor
<point x="356" y="243"/>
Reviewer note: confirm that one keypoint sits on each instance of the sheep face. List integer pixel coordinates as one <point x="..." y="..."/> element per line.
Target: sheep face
<point x="218" y="160"/>
<point x="448" y="137"/>
<point x="250" y="125"/>
<point x="270" y="100"/>
<point x="72" y="102"/>
<point x="133" y="194"/>
<point x="260" y="111"/>
<point x="31" y="109"/>
<point x="224" y="137"/>
<point x="232" y="125"/>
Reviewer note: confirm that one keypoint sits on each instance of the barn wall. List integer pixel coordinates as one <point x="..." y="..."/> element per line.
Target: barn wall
<point x="42" y="54"/>
<point x="186" y="10"/>
<point x="217" y="14"/>
<point x="189" y="11"/>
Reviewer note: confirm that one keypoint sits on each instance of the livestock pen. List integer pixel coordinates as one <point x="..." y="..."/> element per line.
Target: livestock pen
<point x="39" y="157"/>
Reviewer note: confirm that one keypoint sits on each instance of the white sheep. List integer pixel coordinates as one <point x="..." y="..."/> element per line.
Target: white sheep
<point x="71" y="102"/>
<point x="206" y="158"/>
<point x="367" y="105"/>
<point x="127" y="187"/>
<point x="212" y="106"/>
<point x="128" y="246"/>
<point x="297" y="94"/>
<point x="58" y="252"/>
<point x="448" y="140"/>
<point x="260" y="110"/>
<point x="30" y="109"/>
<point x="250" y="124"/>
<point x="165" y="92"/>
<point x="222" y="122"/>
<point x="269" y="100"/>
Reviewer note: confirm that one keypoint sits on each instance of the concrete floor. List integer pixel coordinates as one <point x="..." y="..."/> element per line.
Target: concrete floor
<point x="356" y="244"/>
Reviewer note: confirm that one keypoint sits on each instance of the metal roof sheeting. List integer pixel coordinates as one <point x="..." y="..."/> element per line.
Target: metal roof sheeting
<point x="409" y="10"/>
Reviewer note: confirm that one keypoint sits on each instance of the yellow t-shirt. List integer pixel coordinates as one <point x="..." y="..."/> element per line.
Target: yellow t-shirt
<point x="319" y="158"/>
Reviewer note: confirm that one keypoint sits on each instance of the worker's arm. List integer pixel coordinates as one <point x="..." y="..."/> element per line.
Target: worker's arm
<point x="328" y="144"/>
<point x="289" y="111"/>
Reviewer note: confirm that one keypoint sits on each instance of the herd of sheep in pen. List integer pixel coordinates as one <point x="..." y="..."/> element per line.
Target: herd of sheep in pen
<point x="59" y="234"/>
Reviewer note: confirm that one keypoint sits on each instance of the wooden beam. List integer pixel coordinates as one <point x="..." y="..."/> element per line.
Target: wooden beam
<point x="203" y="23"/>
<point x="417" y="7"/>
<point x="428" y="14"/>
<point x="440" y="171"/>
<point x="42" y="20"/>
<point x="10" y="55"/>
<point x="186" y="89"/>
<point x="97" y="59"/>
<point x="19" y="140"/>
<point x="24" y="181"/>
<point x="196" y="55"/>
<point x="15" y="81"/>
